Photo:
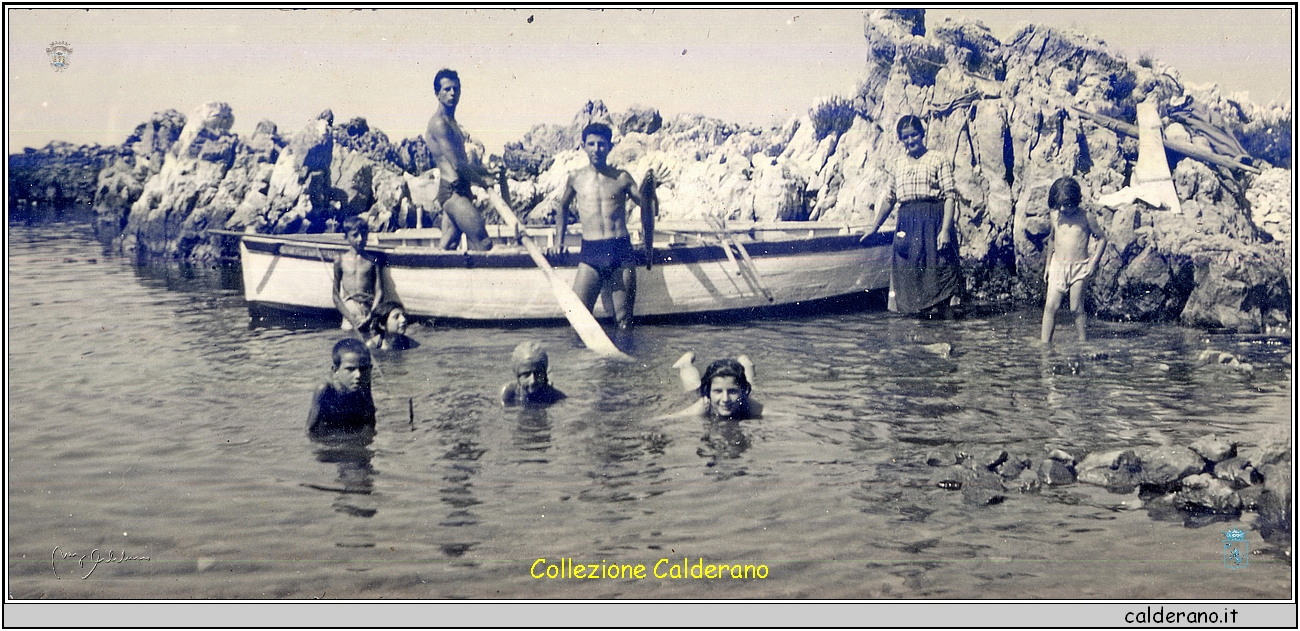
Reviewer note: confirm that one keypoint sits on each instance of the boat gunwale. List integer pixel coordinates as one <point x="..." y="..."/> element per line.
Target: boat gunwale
<point x="429" y="257"/>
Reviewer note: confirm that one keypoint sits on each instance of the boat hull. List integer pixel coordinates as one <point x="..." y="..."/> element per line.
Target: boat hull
<point x="296" y="275"/>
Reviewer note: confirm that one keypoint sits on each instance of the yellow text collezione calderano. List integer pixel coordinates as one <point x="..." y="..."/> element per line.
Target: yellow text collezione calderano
<point x="662" y="569"/>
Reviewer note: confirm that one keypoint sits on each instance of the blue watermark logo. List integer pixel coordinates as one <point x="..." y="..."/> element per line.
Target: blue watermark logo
<point x="1236" y="550"/>
<point x="60" y="55"/>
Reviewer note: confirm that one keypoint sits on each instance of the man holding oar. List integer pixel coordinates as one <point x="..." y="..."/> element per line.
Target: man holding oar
<point x="447" y="143"/>
<point x="601" y="192"/>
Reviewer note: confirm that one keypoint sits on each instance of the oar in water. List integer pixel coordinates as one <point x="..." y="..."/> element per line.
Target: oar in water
<point x="579" y="317"/>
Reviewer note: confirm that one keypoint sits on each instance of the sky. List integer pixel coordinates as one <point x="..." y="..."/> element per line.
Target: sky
<point x="522" y="67"/>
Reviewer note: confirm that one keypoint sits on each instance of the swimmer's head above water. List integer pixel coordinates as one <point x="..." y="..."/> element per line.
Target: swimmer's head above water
<point x="726" y="388"/>
<point x="391" y="317"/>
<point x="530" y="364"/>
<point x="351" y="365"/>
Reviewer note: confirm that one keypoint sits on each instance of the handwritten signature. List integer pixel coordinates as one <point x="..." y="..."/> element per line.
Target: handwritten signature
<point x="93" y="557"/>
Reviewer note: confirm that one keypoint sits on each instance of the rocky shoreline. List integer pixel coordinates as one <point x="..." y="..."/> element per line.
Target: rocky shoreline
<point x="1002" y="110"/>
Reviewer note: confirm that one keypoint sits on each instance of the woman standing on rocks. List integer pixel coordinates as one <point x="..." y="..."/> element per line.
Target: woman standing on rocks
<point x="926" y="274"/>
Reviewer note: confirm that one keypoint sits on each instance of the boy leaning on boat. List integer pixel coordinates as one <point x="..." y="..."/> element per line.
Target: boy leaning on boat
<point x="358" y="288"/>
<point x="601" y="193"/>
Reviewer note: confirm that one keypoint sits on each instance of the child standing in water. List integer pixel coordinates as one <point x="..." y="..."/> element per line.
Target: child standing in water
<point x="358" y="287"/>
<point x="532" y="385"/>
<point x="1069" y="266"/>
<point x="724" y="388"/>
<point x="343" y="405"/>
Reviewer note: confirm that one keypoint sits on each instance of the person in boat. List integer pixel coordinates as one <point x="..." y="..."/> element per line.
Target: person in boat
<point x="532" y="385"/>
<point x="926" y="272"/>
<point x="724" y="389"/>
<point x="343" y="404"/>
<point x="1069" y="265"/>
<point x="447" y="144"/>
<point x="358" y="287"/>
<point x="390" y="323"/>
<point x="600" y="192"/>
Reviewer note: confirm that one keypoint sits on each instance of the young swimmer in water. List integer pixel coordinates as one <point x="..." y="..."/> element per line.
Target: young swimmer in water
<point x="343" y="405"/>
<point x="358" y="288"/>
<point x="532" y="384"/>
<point x="724" y="388"/>
<point x="390" y="324"/>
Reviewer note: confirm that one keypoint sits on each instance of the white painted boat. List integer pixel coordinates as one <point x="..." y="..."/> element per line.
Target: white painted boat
<point x="744" y="267"/>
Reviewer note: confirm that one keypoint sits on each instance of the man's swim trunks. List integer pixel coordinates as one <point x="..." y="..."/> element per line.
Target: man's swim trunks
<point x="459" y="187"/>
<point x="605" y="255"/>
<point x="1062" y="274"/>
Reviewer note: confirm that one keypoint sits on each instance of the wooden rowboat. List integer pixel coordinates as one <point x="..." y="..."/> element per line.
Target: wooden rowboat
<point x="743" y="267"/>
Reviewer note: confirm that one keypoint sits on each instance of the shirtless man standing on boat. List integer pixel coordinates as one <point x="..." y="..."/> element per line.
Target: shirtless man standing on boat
<point x="601" y="192"/>
<point x="447" y="143"/>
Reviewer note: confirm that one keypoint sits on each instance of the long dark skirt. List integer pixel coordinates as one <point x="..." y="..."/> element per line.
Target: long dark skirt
<point x="924" y="276"/>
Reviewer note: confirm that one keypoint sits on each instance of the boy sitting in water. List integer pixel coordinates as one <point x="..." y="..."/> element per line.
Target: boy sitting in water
<point x="602" y="191"/>
<point x="1069" y="266"/>
<point x="343" y="404"/>
<point x="358" y="287"/>
<point x="724" y="388"/>
<point x="532" y="385"/>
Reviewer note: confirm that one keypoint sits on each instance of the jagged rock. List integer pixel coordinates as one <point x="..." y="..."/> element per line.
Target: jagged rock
<point x="1214" y="449"/>
<point x="414" y="157"/>
<point x="119" y="184"/>
<point x="171" y="213"/>
<point x="1119" y="470"/>
<point x="1163" y="467"/>
<point x="642" y="120"/>
<point x="353" y="182"/>
<point x="298" y="191"/>
<point x="980" y="487"/>
<point x="1274" y="504"/>
<point x="392" y="206"/>
<point x="990" y="460"/>
<point x="1237" y="472"/>
<point x="1054" y="472"/>
<point x="1012" y="467"/>
<point x="1271" y="206"/>
<point x="1203" y="493"/>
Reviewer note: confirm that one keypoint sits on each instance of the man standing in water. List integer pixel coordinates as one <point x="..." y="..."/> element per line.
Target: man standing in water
<point x="447" y="144"/>
<point x="600" y="193"/>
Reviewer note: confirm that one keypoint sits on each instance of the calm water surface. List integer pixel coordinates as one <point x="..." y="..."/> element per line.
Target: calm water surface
<point x="147" y="416"/>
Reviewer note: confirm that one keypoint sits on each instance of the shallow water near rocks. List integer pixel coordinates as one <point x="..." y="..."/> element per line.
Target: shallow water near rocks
<point x="146" y="417"/>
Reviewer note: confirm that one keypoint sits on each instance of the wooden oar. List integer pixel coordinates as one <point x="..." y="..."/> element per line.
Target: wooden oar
<point x="753" y="269"/>
<point x="583" y="322"/>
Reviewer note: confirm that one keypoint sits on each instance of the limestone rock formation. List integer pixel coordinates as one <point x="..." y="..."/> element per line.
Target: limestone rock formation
<point x="56" y="179"/>
<point x="175" y="203"/>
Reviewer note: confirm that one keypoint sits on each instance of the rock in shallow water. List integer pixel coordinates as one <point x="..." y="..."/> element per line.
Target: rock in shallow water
<point x="1214" y="449"/>
<point x="1205" y="493"/>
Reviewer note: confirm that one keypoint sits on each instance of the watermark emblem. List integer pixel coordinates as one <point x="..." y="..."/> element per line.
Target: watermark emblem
<point x="60" y="55"/>
<point x="1236" y="550"/>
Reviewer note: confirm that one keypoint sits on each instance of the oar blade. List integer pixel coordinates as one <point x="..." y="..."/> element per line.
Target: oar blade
<point x="575" y="312"/>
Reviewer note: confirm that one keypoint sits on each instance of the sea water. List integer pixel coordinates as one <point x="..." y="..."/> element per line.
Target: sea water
<point x="151" y="425"/>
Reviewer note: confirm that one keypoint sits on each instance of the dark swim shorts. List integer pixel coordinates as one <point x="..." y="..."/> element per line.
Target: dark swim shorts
<point x="459" y="187"/>
<point x="605" y="255"/>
